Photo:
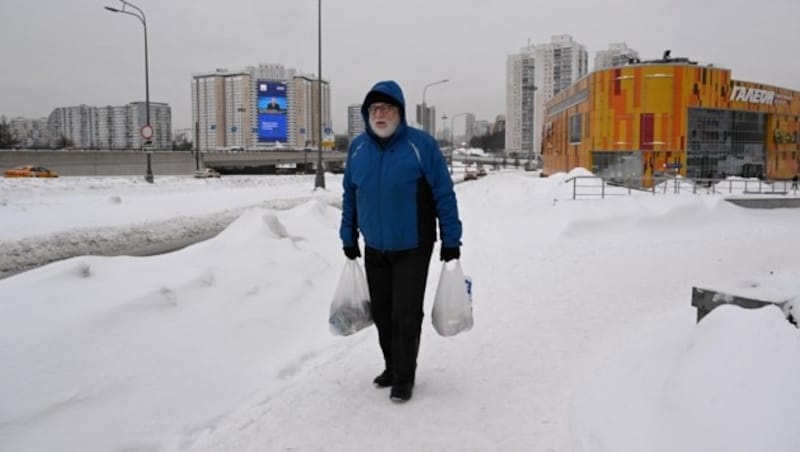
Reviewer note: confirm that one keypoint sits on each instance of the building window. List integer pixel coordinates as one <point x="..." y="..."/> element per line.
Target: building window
<point x="575" y="129"/>
<point x="725" y="143"/>
<point x="622" y="167"/>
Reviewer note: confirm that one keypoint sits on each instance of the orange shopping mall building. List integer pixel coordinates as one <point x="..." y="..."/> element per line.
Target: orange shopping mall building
<point x="668" y="117"/>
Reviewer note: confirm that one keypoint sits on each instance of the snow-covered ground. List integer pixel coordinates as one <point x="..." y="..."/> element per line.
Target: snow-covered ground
<point x="47" y="220"/>
<point x="584" y="336"/>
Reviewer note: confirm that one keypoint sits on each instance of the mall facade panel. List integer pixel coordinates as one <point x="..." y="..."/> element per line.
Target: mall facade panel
<point x="665" y="117"/>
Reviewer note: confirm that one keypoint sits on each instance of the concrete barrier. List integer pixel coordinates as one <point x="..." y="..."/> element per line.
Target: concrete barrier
<point x="132" y="163"/>
<point x="766" y="203"/>
<point x="101" y="163"/>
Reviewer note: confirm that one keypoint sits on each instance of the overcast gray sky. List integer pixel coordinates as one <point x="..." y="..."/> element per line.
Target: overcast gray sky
<point x="68" y="52"/>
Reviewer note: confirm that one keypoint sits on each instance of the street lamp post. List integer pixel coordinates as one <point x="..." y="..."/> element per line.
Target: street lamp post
<point x="444" y="128"/>
<point x="424" y="105"/>
<point x="143" y="20"/>
<point x="531" y="151"/>
<point x="241" y="111"/>
<point x="319" y="180"/>
<point x="305" y="157"/>
<point x="148" y="135"/>
<point x="197" y="125"/>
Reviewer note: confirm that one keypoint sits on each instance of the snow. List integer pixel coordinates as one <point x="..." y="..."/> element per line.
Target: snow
<point x="584" y="336"/>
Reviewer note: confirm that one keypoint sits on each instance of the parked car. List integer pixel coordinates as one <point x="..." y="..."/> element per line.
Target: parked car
<point x="205" y="173"/>
<point x="30" y="171"/>
<point x="470" y="173"/>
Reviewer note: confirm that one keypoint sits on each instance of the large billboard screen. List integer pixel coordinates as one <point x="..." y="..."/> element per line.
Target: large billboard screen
<point x="272" y="111"/>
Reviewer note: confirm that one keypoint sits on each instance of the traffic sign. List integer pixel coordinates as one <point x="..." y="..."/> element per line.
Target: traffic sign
<point x="146" y="131"/>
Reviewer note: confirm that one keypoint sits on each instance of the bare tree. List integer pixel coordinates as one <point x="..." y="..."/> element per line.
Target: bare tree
<point x="7" y="140"/>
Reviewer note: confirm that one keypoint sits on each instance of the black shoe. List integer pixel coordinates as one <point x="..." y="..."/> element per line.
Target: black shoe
<point x="401" y="393"/>
<point x="384" y="380"/>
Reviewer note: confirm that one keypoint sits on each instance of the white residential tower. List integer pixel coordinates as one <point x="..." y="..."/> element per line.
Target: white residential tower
<point x="534" y="76"/>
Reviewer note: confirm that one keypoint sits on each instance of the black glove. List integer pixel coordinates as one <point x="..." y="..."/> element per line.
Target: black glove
<point x="448" y="254"/>
<point x="352" y="252"/>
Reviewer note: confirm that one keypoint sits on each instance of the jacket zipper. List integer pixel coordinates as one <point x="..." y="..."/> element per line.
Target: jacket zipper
<point x="380" y="201"/>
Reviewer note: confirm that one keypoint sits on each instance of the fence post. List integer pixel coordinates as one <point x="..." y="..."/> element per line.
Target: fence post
<point x="574" y="188"/>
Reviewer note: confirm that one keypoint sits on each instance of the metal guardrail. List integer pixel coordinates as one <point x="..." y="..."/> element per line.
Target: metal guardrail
<point x="676" y="185"/>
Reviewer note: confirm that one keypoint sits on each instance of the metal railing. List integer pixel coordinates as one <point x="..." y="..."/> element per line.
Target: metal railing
<point x="590" y="185"/>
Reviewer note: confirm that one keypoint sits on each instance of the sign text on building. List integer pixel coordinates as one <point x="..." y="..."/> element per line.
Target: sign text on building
<point x="752" y="95"/>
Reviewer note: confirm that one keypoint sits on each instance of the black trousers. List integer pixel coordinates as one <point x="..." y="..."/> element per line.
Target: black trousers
<point x="397" y="290"/>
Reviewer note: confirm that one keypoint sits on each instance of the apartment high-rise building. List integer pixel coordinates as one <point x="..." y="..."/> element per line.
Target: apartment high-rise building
<point x="533" y="77"/>
<point x="618" y="54"/>
<point x="304" y="111"/>
<point x="469" y="126"/>
<point x="520" y="89"/>
<point x="499" y="124"/>
<point x="30" y="133"/>
<point x="113" y="132"/>
<point x="355" y="122"/>
<point x="111" y="127"/>
<point x="258" y="106"/>
<point x="481" y="128"/>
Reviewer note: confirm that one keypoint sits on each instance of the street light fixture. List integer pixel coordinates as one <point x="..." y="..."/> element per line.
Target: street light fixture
<point x="143" y="20"/>
<point x="424" y="105"/>
<point x="319" y="180"/>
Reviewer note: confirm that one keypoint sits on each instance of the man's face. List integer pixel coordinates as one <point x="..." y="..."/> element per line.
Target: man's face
<point x="383" y="119"/>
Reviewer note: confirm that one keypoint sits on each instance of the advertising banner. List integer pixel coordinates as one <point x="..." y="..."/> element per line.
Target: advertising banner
<point x="272" y="124"/>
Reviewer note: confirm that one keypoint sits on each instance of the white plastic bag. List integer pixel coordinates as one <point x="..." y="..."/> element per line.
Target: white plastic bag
<point x="350" y="311"/>
<point x="452" y="308"/>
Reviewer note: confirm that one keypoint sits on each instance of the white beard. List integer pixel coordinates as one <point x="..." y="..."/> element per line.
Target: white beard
<point x="387" y="131"/>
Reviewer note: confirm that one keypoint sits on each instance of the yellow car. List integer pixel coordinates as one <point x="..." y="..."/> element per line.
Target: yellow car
<point x="30" y="171"/>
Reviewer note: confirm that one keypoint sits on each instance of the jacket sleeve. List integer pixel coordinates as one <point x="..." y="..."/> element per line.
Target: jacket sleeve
<point x="444" y="197"/>
<point x="348" y="229"/>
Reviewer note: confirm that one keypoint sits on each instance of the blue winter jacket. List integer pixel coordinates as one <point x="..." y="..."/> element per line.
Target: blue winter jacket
<point x="394" y="194"/>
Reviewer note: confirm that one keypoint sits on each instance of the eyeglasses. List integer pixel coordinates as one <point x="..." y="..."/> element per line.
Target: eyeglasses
<point x="380" y="108"/>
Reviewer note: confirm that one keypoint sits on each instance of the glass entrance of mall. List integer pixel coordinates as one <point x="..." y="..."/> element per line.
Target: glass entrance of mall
<point x="618" y="167"/>
<point x="724" y="143"/>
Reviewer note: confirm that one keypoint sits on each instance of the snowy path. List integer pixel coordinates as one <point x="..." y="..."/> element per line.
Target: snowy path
<point x="584" y="336"/>
<point x="507" y="384"/>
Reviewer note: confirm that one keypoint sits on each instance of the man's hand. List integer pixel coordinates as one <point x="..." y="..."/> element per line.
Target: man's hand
<point x="352" y="252"/>
<point x="448" y="254"/>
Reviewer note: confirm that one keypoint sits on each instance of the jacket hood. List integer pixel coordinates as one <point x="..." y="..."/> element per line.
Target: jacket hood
<point x="391" y="89"/>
